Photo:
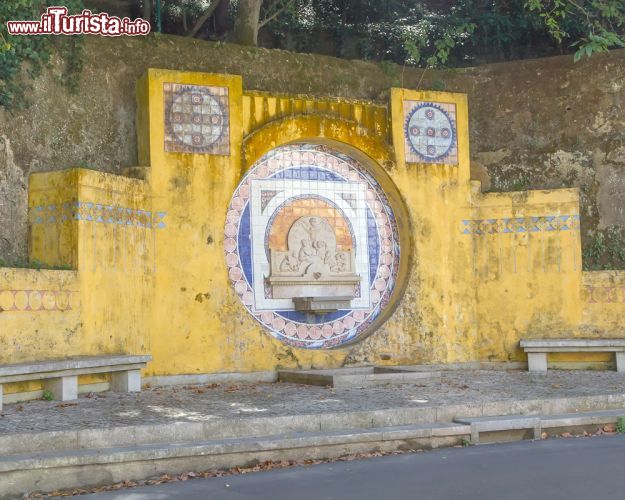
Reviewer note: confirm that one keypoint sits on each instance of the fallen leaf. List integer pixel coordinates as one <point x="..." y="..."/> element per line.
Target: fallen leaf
<point x="65" y="405"/>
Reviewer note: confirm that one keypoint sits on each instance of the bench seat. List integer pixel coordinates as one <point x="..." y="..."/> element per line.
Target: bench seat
<point x="61" y="375"/>
<point x="500" y="423"/>
<point x="537" y="350"/>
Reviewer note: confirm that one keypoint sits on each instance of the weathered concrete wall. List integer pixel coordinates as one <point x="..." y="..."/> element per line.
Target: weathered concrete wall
<point x="536" y="124"/>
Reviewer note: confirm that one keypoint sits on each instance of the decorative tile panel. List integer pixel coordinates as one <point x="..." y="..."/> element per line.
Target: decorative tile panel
<point x="521" y="224"/>
<point x="196" y="119"/>
<point x="305" y="187"/>
<point x="430" y="132"/>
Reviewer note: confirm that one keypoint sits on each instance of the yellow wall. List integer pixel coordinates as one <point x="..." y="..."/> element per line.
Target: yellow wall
<point x="603" y="303"/>
<point x="40" y="317"/>
<point x="103" y="226"/>
<point x="477" y="271"/>
<point x="526" y="262"/>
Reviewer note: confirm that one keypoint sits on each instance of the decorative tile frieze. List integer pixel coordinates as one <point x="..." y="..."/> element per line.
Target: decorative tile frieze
<point x="521" y="224"/>
<point x="36" y="300"/>
<point x="86" y="211"/>
<point x="605" y="294"/>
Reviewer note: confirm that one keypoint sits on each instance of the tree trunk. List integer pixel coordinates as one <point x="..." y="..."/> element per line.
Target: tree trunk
<point x="146" y="10"/>
<point x="246" y="23"/>
<point x="221" y="18"/>
<point x="203" y="18"/>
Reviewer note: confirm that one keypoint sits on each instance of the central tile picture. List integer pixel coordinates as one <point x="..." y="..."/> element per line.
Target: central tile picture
<point x="311" y="246"/>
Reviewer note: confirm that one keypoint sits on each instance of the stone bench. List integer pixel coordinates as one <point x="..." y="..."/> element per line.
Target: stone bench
<point x="537" y="350"/>
<point x="500" y="423"/>
<point x="61" y="376"/>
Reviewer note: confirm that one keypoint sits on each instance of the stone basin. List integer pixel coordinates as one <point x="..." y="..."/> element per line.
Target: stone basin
<point x="358" y="377"/>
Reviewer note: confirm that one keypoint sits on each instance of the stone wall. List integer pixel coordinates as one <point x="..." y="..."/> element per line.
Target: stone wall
<point x="535" y="124"/>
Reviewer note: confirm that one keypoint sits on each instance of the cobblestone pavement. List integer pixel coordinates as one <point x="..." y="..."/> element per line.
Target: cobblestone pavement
<point x="196" y="403"/>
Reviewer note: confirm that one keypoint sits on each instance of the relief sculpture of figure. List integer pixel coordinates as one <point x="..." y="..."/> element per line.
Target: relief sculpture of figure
<point x="312" y="264"/>
<point x="307" y="252"/>
<point x="312" y="250"/>
<point x="340" y="263"/>
<point x="315" y="229"/>
<point x="288" y="263"/>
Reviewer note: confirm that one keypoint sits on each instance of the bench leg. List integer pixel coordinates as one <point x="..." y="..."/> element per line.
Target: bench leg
<point x="128" y="381"/>
<point x="620" y="361"/>
<point x="537" y="361"/>
<point x="475" y="434"/>
<point x="63" y="388"/>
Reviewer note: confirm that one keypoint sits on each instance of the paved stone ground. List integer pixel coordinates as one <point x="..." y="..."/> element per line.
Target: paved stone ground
<point x="196" y="403"/>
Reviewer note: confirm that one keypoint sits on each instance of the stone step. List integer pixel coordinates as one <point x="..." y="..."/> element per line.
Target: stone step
<point x="90" y="467"/>
<point x="106" y="464"/>
<point x="265" y="426"/>
<point x="601" y="417"/>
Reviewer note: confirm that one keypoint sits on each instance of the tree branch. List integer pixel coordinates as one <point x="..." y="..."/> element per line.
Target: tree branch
<point x="278" y="11"/>
<point x="203" y="18"/>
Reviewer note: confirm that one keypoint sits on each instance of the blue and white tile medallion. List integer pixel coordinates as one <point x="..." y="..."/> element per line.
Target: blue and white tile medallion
<point x="306" y="204"/>
<point x="430" y="132"/>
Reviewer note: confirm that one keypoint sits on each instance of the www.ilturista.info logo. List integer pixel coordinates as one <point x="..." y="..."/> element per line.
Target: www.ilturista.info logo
<point x="56" y="21"/>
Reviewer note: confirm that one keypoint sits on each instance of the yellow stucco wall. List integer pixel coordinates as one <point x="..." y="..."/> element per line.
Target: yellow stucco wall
<point x="527" y="271"/>
<point x="603" y="301"/>
<point x="40" y="318"/>
<point x="477" y="271"/>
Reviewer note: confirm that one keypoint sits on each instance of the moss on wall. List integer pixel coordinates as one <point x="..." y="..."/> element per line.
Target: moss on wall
<point x="534" y="124"/>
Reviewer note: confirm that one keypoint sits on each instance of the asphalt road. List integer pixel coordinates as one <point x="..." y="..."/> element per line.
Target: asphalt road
<point x="558" y="469"/>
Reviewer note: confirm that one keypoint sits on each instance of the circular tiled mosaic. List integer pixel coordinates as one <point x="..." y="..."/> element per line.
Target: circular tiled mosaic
<point x="197" y="118"/>
<point x="289" y="188"/>
<point x="430" y="131"/>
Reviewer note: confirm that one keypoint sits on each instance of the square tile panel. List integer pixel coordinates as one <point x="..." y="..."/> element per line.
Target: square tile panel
<point x="196" y="119"/>
<point x="430" y="132"/>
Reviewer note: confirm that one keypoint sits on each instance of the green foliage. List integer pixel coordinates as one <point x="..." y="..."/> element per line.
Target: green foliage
<point x="430" y="33"/>
<point x="30" y="54"/>
<point x="520" y="182"/>
<point x="602" y="23"/>
<point x="426" y="34"/>
<point x="605" y="249"/>
<point x="433" y="37"/>
<point x="35" y="264"/>
<point x="620" y="425"/>
<point x="438" y="85"/>
<point x="47" y="396"/>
